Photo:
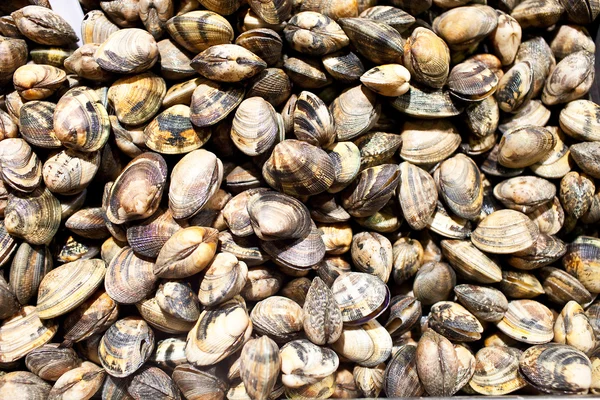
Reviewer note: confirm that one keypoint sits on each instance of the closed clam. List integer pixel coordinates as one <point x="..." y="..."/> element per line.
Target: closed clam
<point x="136" y="99"/>
<point x="344" y="66"/>
<point x="146" y="176"/>
<point x="313" y="122"/>
<point x="585" y="155"/>
<point x="497" y="371"/>
<point x="147" y="238"/>
<point x="191" y="188"/>
<point x="401" y="377"/>
<point x="472" y="81"/>
<point x="277" y="317"/>
<point x="276" y="216"/>
<point x="524" y="193"/>
<point x="37" y="82"/>
<point x="506" y="38"/>
<point x="227" y="63"/>
<point x="487" y="304"/>
<point x="538" y="53"/>
<point x="377" y="148"/>
<point x="520" y="285"/>
<point x="354" y="112"/>
<point x="407" y="258"/>
<point x="417" y="195"/>
<point x="482" y="117"/>
<point x="126" y="346"/>
<point x="347" y="160"/>
<point x="454" y="322"/>
<point x="576" y="193"/>
<point x="152" y="382"/>
<point x="561" y="287"/>
<point x="36" y="121"/>
<point x="421" y="102"/>
<point x="535" y="13"/>
<point x="388" y="80"/>
<point x="13" y="55"/>
<point x="255" y="127"/>
<point x="298" y="168"/>
<point x="556" y="368"/>
<point x="372" y="253"/>
<point x="376" y="41"/>
<point x="581" y="261"/>
<point x="569" y="39"/>
<point x="127" y="51"/>
<point x="218" y="333"/>
<point x="549" y="217"/>
<point x="515" y="89"/>
<point x="34" y="217"/>
<point x="20" y="166"/>
<point x="82" y="63"/>
<point x="459" y="183"/>
<point x="196" y="384"/>
<point x="297" y="254"/>
<point x="306" y="73"/>
<point x="272" y="84"/>
<point x="458" y="35"/>
<point x="558" y="161"/>
<point x="528" y="321"/>
<point x="436" y="358"/>
<point x="427" y="58"/>
<point x="44" y="26"/>
<point x="93" y="316"/>
<point x="186" y="253"/>
<point x="25" y="384"/>
<point x="524" y="146"/>
<point x="177" y="299"/>
<point x="395" y="17"/>
<point x="81" y="121"/>
<point x="331" y="267"/>
<point x="505" y="231"/>
<point x="572" y="327"/>
<point x="263" y="42"/>
<point x="160" y="319"/>
<point x="322" y="316"/>
<point x="83" y="382"/>
<point x="470" y="262"/>
<point x="360" y="296"/>
<point x="314" y="34"/>
<point x="223" y="279"/>
<point x="578" y="120"/>
<point x="546" y="250"/>
<point x="186" y="30"/>
<point x="303" y="362"/>
<point x="245" y="249"/>
<point x="171" y="132"/>
<point x="66" y="287"/>
<point x="29" y="266"/>
<point x="129" y="278"/>
<point x="96" y="27"/>
<point x="49" y="362"/>
<point x="23" y="332"/>
<point x="259" y="366"/>
<point x="371" y="191"/>
<point x="570" y="79"/>
<point x="428" y="142"/>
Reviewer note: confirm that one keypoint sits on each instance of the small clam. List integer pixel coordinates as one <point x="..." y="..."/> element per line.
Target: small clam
<point x="34" y="217"/>
<point x="196" y="384"/>
<point x="44" y="26"/>
<point x="127" y="51"/>
<point x="272" y="84"/>
<point x="576" y="193"/>
<point x="81" y="382"/>
<point x="49" y="362"/>
<point x="37" y="82"/>
<point x="459" y="35"/>
<point x="546" y="250"/>
<point x="407" y="259"/>
<point x="171" y="132"/>
<point x="515" y="89"/>
<point x="360" y="296"/>
<point x="375" y="40"/>
<point x="20" y="167"/>
<point x="585" y="155"/>
<point x="395" y="17"/>
<point x="177" y="299"/>
<point x="126" y="346"/>
<point x="524" y="146"/>
<point x="556" y="368"/>
<point x="263" y="42"/>
<point x="505" y="231"/>
<point x="152" y="382"/>
<point x="372" y="253"/>
<point x="227" y="63"/>
<point x="387" y="80"/>
<point x="422" y="102"/>
<point x="570" y="79"/>
<point x="255" y="126"/>
<point x="218" y="333"/>
<point x="538" y="53"/>
<point x="314" y="34"/>
<point x="437" y="364"/>
<point x="581" y="261"/>
<point x="459" y="182"/>
<point x="297" y="254"/>
<point x="23" y="332"/>
<point x="487" y="304"/>
<point x="147" y="238"/>
<point x="520" y="285"/>
<point x="223" y="279"/>
<point x="96" y="27"/>
<point x="8" y="300"/>
<point x="277" y="317"/>
<point x="560" y="287"/>
<point x="82" y="63"/>
<point x="313" y="122"/>
<point x="428" y="142"/>
<point x="137" y="98"/>
<point x="472" y="81"/>
<point x="371" y="191"/>
<point x="93" y="316"/>
<point x="454" y="322"/>
<point x="401" y="378"/>
<point x="303" y="363"/>
<point x="198" y="30"/>
<point x="159" y="319"/>
<point x="497" y="371"/>
<point x="129" y="278"/>
<point x="417" y="195"/>
<point x="306" y="73"/>
<point x="36" y="124"/>
<point x="572" y="327"/>
<point x="354" y="112"/>
<point x="470" y="262"/>
<point x="259" y="366"/>
<point x="579" y="119"/>
<point x="23" y="384"/>
<point x="344" y="66"/>
<point x="276" y="216"/>
<point x="535" y="13"/>
<point x="528" y="321"/>
<point x="322" y="316"/>
<point x="524" y="194"/>
<point x="346" y="159"/>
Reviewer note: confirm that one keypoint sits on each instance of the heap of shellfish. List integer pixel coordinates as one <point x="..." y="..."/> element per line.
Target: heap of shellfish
<point x="228" y="199"/>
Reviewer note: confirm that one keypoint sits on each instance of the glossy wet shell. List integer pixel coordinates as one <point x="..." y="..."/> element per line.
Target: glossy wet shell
<point x="136" y="99"/>
<point x="23" y="332"/>
<point x="505" y="231"/>
<point x="34" y="217"/>
<point x="314" y="34"/>
<point x="470" y="262"/>
<point x="303" y="362"/>
<point x="129" y="279"/>
<point x="428" y="142"/>
<point x="354" y="112"/>
<point x="171" y="132"/>
<point x="93" y="316"/>
<point x="302" y="253"/>
<point x="198" y="30"/>
<point x="360" y="296"/>
<point x="255" y="127"/>
<point x="36" y="124"/>
<point x="376" y="41"/>
<point x="21" y="167"/>
<point x="528" y="321"/>
<point x="497" y="371"/>
<point x="417" y="194"/>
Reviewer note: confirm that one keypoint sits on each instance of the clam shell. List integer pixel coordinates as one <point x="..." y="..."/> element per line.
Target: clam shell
<point x="486" y="303"/>
<point x="469" y="262"/>
<point x="93" y="316"/>
<point x="49" y="362"/>
<point x="137" y="98"/>
<point x="25" y="384"/>
<point x="69" y="172"/>
<point x="572" y="327"/>
<point x="299" y="253"/>
<point x="535" y="13"/>
<point x="198" y="30"/>
<point x="149" y="236"/>
<point x="96" y="27"/>
<point x="280" y="318"/>
<point x="8" y="300"/>
<point x="354" y="112"/>
<point x="259" y="366"/>
<point x="497" y="371"/>
<point x="458" y="35"/>
<point x="528" y="321"/>
<point x="275" y="216"/>
<point x="401" y="378"/>
<point x="127" y="51"/>
<point x="376" y="41"/>
<point x="263" y="42"/>
<point x="576" y="193"/>
<point x="361" y="297"/>
<point x="181" y="93"/>
<point x="126" y="346"/>
<point x="23" y="332"/>
<point x="152" y="382"/>
<point x="435" y="359"/>
<point x="427" y="58"/>
<point x="524" y="146"/>
<point x="581" y="261"/>
<point x="245" y="249"/>
<point x="129" y="279"/>
<point x="515" y="89"/>
<point x="578" y="120"/>
<point x="428" y="142"/>
<point x="227" y="63"/>
<point x="214" y="101"/>
<point x="171" y="132"/>
<point x="561" y="287"/>
<point x="505" y="231"/>
<point x="306" y="73"/>
<point x="223" y="279"/>
<point x="272" y="84"/>
<point x="525" y="193"/>
<point x="169" y="354"/>
<point x="255" y="127"/>
<point x="20" y="166"/>
<point x="472" y="81"/>
<point x="44" y="26"/>
<point x="29" y="266"/>
<point x="82" y="381"/>
<point x="546" y="250"/>
<point x="347" y="160"/>
<point x="417" y="195"/>
<point x="344" y="66"/>
<point x="303" y="362"/>
<point x="36" y="124"/>
<point x="454" y="322"/>
<point x="570" y="79"/>
<point x="177" y="299"/>
<point x="377" y="147"/>
<point x="159" y="319"/>
<point x="313" y="123"/>
<point x="459" y="183"/>
<point x="371" y="191"/>
<point x="314" y="34"/>
<point x="82" y="63"/>
<point x="322" y="316"/>
<point x="422" y="102"/>
<point x="196" y="384"/>
<point x="34" y="217"/>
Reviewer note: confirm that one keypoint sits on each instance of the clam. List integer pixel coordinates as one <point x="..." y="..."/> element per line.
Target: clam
<point x="93" y="316"/>
<point x="81" y="382"/>
<point x="136" y="99"/>
<point x="186" y="253"/>
<point x="560" y="287"/>
<point x="361" y="297"/>
<point x="487" y="304"/>
<point x="259" y="366"/>
<point x="162" y="320"/>
<point x="482" y="117"/>
<point x="535" y="13"/>
<point x="330" y="268"/>
<point x="255" y="127"/>
<point x="497" y="371"/>
<point x="277" y="317"/>
<point x="127" y="51"/>
<point x="37" y="82"/>
<point x="546" y="250"/>
<point x="428" y="142"/>
<point x="171" y="132"/>
<point x="515" y="89"/>
<point x="322" y="316"/>
<point x="334" y="9"/>
<point x="23" y="332"/>
<point x="44" y="26"/>
<point x="245" y="249"/>
<point x="369" y="381"/>
<point x="181" y="93"/>
<point x="585" y="155"/>
<point x="169" y="354"/>
<point x="524" y="193"/>
<point x="49" y="362"/>
<point x="82" y="63"/>
<point x="272" y="84"/>
<point x="275" y="216"/>
<point x="371" y="191"/>
<point x="198" y="30"/>
<point x="524" y="146"/>
<point x="81" y="121"/>
<point x="556" y="368"/>
<point x="223" y="279"/>
<point x="549" y="217"/>
<point x="126" y="346"/>
<point x="177" y="299"/>
<point x="578" y="119"/>
<point x="506" y="38"/>
<point x="36" y="121"/>
<point x="344" y="66"/>
<point x="423" y="102"/>
<point x="520" y="285"/>
<point x="407" y="258"/>
<point x="528" y="321"/>
<point x="401" y="377"/>
<point x="154" y="15"/>
<point x="454" y="322"/>
<point x="152" y="382"/>
<point x="570" y="79"/>
<point x="459" y="182"/>
<point x="129" y="278"/>
<point x="572" y="327"/>
<point x="20" y="166"/>
<point x="395" y="17"/>
<point x="505" y="231"/>
<point x="23" y="384"/>
<point x="236" y="213"/>
<point x="218" y="333"/>
<point x="470" y="262"/>
<point x="346" y="159"/>
<point x="558" y="162"/>
<point x="472" y="81"/>
<point x="576" y="193"/>
<point x="538" y="53"/>
<point x="303" y="363"/>
<point x="306" y="73"/>
<point x="377" y="148"/>
<point x="581" y="261"/>
<point x="417" y="195"/>
<point x="197" y="384"/>
<point x="298" y="168"/>
<point x="314" y="34"/>
<point x="459" y="35"/>
<point x="354" y="112"/>
<point x="372" y="253"/>
<point x="388" y="80"/>
<point x="191" y="188"/>
<point x="9" y="128"/>
<point x="313" y="122"/>
<point x="227" y="63"/>
<point x="34" y="217"/>
<point x="569" y="39"/>
<point x="125" y="13"/>
<point x="297" y="254"/>
<point x="96" y="27"/>
<point x="375" y="40"/>
<point x="435" y="359"/>
<point x="8" y="300"/>
<point x="66" y="287"/>
<point x="13" y="55"/>
<point x="263" y="42"/>
<point x="146" y="176"/>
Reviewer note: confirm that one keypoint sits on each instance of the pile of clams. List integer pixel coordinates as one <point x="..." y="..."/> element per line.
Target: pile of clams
<point x="264" y="199"/>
